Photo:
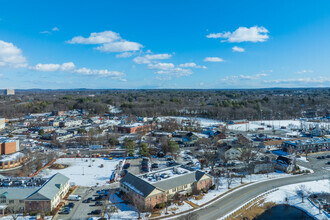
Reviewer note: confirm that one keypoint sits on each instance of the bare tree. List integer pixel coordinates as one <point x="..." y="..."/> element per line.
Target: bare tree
<point x="302" y="191"/>
<point x="110" y="210"/>
<point x="140" y="207"/>
<point x="14" y="211"/>
<point x="229" y="178"/>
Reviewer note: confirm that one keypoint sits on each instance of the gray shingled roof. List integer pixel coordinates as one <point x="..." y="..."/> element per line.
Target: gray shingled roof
<point x="179" y="180"/>
<point x="50" y="188"/>
<point x="139" y="184"/>
<point x="17" y="193"/>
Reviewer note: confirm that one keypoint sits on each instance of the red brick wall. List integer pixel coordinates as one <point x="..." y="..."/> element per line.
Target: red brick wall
<point x="8" y="148"/>
<point x="204" y="184"/>
<point x="40" y="206"/>
<point x="154" y="201"/>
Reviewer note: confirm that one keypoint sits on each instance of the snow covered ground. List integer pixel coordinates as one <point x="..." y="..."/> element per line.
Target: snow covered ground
<point x="289" y="124"/>
<point x="81" y="174"/>
<point x="294" y="200"/>
<point x="203" y="122"/>
<point x="236" y="182"/>
<point x="123" y="210"/>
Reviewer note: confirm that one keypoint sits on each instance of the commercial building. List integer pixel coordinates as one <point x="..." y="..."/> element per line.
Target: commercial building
<point x="2" y="123"/>
<point x="42" y="198"/>
<point x="150" y="191"/>
<point x="8" y="145"/>
<point x="310" y="145"/>
<point x="133" y="128"/>
<point x="9" y="92"/>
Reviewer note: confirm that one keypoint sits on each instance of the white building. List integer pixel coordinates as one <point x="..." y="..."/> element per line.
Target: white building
<point x="2" y="123"/>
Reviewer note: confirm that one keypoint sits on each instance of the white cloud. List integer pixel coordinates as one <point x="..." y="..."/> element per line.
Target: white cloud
<point x="304" y="71"/>
<point x="44" y="32"/>
<point x="1" y="75"/>
<point x="235" y="78"/>
<point x="71" y="67"/>
<point x="101" y="72"/>
<point x="96" y="38"/>
<point x="150" y="57"/>
<point x="120" y="46"/>
<point x="49" y="32"/>
<point x="10" y="55"/>
<point x="261" y="75"/>
<point x="213" y="59"/>
<point x="177" y="72"/>
<point x="320" y="79"/>
<point x="50" y="67"/>
<point x="163" y="78"/>
<point x="161" y="66"/>
<point x="109" y="42"/>
<point x="238" y="49"/>
<point x="125" y="55"/>
<point x="192" y="65"/>
<point x="243" y="34"/>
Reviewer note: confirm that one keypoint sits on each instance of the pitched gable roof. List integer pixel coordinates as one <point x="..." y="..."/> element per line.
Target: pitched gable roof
<point x="137" y="184"/>
<point x="49" y="190"/>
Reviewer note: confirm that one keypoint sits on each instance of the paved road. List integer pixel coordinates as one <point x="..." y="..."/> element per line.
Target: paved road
<point x="237" y="198"/>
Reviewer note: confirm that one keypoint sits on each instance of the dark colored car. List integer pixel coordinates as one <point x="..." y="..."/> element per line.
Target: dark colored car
<point x="71" y="205"/>
<point x="190" y="163"/>
<point x="145" y="168"/>
<point x="123" y="173"/>
<point x="98" y="203"/>
<point x="160" y="154"/>
<point x="96" y="212"/>
<point x="87" y="200"/>
<point x="154" y="165"/>
<point x="126" y="165"/>
<point x="169" y="158"/>
<point x="65" y="212"/>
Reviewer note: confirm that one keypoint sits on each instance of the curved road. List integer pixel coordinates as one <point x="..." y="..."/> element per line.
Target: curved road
<point x="239" y="197"/>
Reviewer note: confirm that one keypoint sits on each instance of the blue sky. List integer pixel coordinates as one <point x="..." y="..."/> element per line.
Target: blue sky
<point x="164" y="44"/>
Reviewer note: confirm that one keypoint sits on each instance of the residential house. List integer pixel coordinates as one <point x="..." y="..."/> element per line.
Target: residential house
<point x="285" y="164"/>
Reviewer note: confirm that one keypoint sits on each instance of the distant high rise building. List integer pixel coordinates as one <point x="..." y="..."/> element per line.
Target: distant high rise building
<point x="2" y="123"/>
<point x="9" y="92"/>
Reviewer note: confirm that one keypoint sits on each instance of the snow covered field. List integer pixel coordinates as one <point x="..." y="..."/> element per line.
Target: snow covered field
<point x="289" y="124"/>
<point x="294" y="200"/>
<point x="203" y="122"/>
<point x="81" y="174"/>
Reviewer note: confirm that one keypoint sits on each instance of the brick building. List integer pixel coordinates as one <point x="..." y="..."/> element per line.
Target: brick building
<point x="133" y="128"/>
<point x="149" y="194"/>
<point x="8" y="146"/>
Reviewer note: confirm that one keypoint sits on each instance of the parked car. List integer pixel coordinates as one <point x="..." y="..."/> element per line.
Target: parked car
<point x="126" y="165"/>
<point x="160" y="154"/>
<point x="123" y="173"/>
<point x="87" y="200"/>
<point x="96" y="212"/>
<point x="170" y="163"/>
<point x="328" y="156"/>
<point x="71" y="205"/>
<point x="154" y="165"/>
<point x="65" y="212"/>
<point x="98" y="203"/>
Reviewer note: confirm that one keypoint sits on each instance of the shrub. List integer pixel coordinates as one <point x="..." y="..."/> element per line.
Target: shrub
<point x="212" y="187"/>
<point x="204" y="190"/>
<point x="33" y="213"/>
<point x="160" y="206"/>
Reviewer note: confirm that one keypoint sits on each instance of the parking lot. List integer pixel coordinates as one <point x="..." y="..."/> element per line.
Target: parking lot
<point x="315" y="163"/>
<point x="81" y="208"/>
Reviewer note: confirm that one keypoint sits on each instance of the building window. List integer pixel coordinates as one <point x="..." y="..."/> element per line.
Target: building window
<point x="11" y="201"/>
<point x="21" y="201"/>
